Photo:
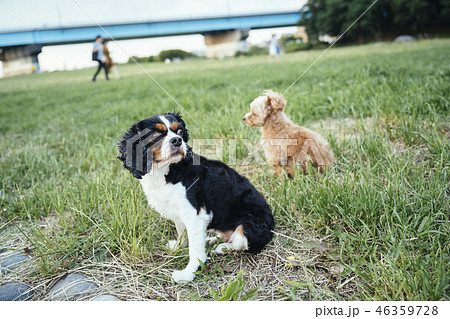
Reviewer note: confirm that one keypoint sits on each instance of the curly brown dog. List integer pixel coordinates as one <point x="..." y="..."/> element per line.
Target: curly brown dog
<point x="284" y="142"/>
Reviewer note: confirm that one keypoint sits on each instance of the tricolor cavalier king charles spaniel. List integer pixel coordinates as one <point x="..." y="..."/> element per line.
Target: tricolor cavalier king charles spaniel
<point x="196" y="193"/>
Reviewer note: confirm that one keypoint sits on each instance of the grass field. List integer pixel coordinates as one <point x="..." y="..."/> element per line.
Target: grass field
<point x="373" y="228"/>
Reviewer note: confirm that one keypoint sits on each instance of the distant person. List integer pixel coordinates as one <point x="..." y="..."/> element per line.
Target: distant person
<point x="273" y="46"/>
<point x="97" y="55"/>
<point x="110" y="65"/>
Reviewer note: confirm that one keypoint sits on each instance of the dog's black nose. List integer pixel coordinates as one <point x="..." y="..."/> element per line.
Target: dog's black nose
<point x="243" y="118"/>
<point x="176" y="141"/>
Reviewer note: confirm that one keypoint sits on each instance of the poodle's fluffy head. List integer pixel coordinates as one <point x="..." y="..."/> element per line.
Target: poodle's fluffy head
<point x="263" y="107"/>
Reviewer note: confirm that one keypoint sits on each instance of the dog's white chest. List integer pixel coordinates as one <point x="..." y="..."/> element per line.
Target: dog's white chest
<point x="166" y="198"/>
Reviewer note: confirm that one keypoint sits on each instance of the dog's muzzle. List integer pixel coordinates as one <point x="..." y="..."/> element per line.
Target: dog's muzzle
<point x="176" y="141"/>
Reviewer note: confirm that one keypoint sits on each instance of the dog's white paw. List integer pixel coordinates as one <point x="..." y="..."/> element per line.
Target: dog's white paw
<point x="182" y="276"/>
<point x="172" y="244"/>
<point x="211" y="240"/>
<point x="222" y="248"/>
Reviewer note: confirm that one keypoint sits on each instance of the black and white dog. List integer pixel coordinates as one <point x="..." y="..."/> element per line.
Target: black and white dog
<point x="196" y="193"/>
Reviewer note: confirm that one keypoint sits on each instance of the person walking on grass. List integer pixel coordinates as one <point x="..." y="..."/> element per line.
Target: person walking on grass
<point x="110" y="65"/>
<point x="97" y="55"/>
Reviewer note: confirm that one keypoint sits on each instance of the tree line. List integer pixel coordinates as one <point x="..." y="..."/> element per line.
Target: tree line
<point x="385" y="19"/>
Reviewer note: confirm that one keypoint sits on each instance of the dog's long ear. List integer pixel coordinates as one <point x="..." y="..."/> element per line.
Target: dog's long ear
<point x="275" y="100"/>
<point x="133" y="151"/>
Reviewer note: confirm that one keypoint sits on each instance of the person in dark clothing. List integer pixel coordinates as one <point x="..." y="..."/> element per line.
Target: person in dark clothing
<point x="97" y="55"/>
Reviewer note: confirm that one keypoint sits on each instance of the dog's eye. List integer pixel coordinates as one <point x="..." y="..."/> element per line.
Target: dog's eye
<point x="180" y="132"/>
<point x="155" y="136"/>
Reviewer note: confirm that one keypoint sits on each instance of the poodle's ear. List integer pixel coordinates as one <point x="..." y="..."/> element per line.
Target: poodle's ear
<point x="275" y="100"/>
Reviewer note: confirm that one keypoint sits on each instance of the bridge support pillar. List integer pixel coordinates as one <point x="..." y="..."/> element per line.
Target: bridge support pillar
<point x="220" y="44"/>
<point x="20" y="59"/>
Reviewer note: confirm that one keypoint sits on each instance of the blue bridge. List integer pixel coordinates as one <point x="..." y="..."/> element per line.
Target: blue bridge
<point x="86" y="33"/>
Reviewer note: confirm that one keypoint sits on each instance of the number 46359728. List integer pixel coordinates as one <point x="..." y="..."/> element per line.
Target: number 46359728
<point x="407" y="310"/>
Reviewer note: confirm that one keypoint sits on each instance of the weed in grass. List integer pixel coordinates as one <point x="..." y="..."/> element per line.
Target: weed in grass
<point x="234" y="291"/>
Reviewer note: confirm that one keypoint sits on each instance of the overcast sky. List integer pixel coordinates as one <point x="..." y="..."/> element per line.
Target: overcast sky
<point x="30" y="14"/>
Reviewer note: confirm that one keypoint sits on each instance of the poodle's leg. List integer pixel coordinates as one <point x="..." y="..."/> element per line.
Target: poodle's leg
<point x="276" y="170"/>
<point x="289" y="168"/>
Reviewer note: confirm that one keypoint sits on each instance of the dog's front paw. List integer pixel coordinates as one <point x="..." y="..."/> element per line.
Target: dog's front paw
<point x="182" y="276"/>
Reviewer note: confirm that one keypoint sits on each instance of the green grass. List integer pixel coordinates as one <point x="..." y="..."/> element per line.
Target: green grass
<point x="383" y="209"/>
